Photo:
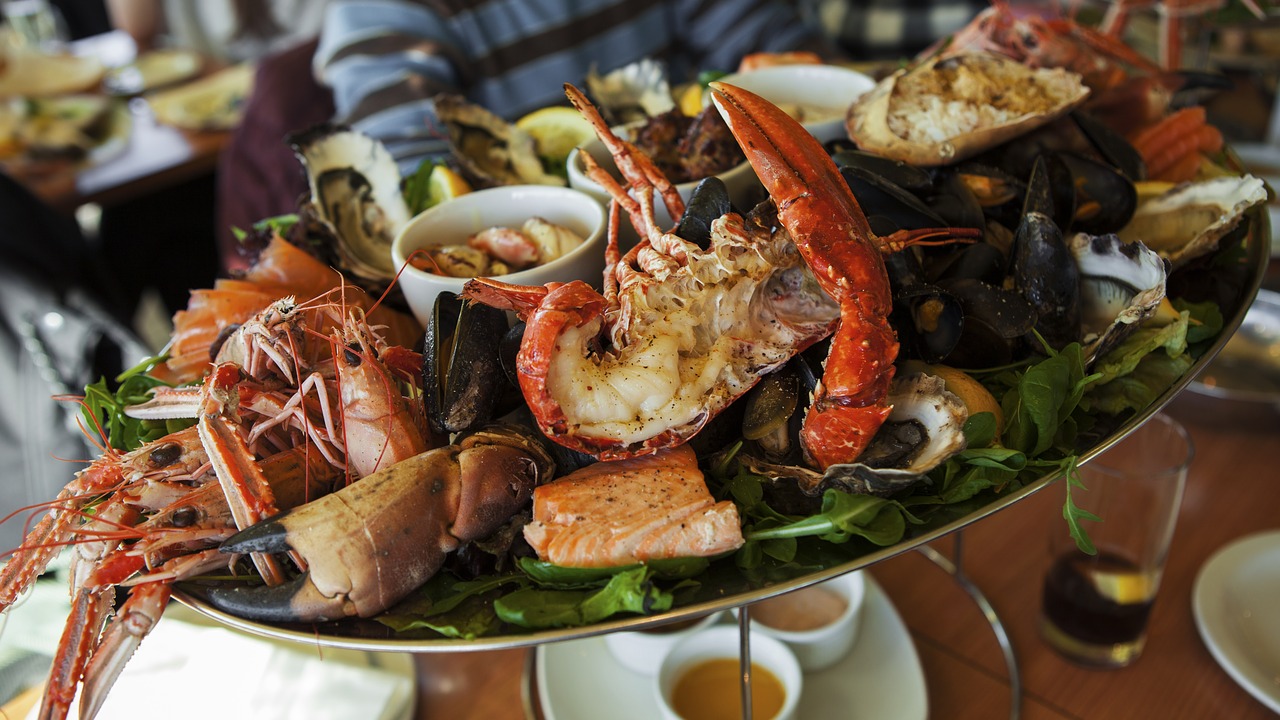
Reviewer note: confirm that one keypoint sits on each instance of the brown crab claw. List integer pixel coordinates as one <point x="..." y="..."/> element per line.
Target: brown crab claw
<point x="370" y="544"/>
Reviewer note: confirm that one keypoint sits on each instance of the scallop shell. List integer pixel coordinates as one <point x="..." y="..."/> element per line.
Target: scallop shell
<point x="1190" y="219"/>
<point x="985" y="98"/>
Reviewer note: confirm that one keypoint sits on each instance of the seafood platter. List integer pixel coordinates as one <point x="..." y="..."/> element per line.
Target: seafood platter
<point x="974" y="293"/>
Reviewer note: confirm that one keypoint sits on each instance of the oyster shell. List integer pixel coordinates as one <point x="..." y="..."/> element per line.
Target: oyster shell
<point x="632" y="92"/>
<point x="1121" y="284"/>
<point x="355" y="194"/>
<point x="925" y="427"/>
<point x="1190" y="219"/>
<point x="947" y="109"/>
<point x="489" y="150"/>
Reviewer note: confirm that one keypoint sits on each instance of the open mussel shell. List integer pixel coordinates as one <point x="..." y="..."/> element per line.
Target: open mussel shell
<point x="774" y="408"/>
<point x="995" y="322"/>
<point x="462" y="371"/>
<point x="1105" y="199"/>
<point x="928" y="320"/>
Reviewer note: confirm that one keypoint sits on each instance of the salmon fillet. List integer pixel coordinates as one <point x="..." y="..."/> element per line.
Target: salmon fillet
<point x="628" y="511"/>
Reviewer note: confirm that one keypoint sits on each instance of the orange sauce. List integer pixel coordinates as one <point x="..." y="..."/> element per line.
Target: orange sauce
<point x="802" y="610"/>
<point x="710" y="690"/>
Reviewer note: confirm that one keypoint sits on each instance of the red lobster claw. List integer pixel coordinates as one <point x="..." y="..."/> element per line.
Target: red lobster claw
<point x="833" y="235"/>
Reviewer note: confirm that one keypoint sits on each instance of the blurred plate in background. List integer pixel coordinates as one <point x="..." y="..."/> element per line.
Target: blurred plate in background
<point x="1245" y="376"/>
<point x="152" y="70"/>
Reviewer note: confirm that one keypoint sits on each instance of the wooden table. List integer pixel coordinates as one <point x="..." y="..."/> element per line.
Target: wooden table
<point x="1231" y="493"/>
<point x="155" y="157"/>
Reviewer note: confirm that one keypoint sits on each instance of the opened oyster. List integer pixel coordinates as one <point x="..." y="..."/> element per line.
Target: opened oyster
<point x="632" y="92"/>
<point x="489" y="150"/>
<point x="948" y="109"/>
<point x="1189" y="220"/>
<point x="355" y="194"/>
<point x="925" y="427"/>
<point x="1121" y="284"/>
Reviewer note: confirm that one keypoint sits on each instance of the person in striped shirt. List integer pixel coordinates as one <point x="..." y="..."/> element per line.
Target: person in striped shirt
<point x="385" y="59"/>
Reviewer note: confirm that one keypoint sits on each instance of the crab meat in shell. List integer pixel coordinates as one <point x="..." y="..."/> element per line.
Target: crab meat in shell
<point x="949" y="109"/>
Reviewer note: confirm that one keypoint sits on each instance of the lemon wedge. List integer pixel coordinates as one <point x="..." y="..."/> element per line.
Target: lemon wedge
<point x="691" y="99"/>
<point x="1125" y="588"/>
<point x="556" y="130"/>
<point x="973" y="394"/>
<point x="445" y="184"/>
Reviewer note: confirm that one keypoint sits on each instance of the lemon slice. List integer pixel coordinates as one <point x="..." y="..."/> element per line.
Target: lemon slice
<point x="445" y="184"/>
<point x="1125" y="588"/>
<point x="556" y="130"/>
<point x="973" y="394"/>
<point x="691" y="99"/>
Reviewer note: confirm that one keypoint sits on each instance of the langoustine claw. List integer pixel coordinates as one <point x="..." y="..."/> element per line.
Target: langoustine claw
<point x="375" y="541"/>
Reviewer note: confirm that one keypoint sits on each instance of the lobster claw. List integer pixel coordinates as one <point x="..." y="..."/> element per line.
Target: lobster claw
<point x="370" y="544"/>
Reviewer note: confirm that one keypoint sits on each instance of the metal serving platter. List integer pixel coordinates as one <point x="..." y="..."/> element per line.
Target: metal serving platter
<point x="371" y="636"/>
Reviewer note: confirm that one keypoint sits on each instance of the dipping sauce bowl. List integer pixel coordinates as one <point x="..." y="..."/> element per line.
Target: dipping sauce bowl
<point x="819" y="623"/>
<point x="699" y="678"/>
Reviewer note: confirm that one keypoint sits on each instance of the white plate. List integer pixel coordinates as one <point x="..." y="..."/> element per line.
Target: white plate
<point x="1234" y="603"/>
<point x="880" y="678"/>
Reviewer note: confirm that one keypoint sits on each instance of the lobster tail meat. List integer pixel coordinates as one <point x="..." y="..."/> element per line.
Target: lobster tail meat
<point x="833" y="235"/>
<point x="680" y="333"/>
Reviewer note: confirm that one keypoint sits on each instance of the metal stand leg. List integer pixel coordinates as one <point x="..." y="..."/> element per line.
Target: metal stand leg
<point x="1002" y="636"/>
<point x="744" y="658"/>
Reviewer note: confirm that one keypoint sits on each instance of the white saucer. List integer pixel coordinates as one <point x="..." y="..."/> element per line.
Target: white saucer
<point x="880" y="678"/>
<point x="1234" y="603"/>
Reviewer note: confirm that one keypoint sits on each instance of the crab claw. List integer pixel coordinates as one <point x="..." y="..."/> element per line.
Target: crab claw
<point x="370" y="544"/>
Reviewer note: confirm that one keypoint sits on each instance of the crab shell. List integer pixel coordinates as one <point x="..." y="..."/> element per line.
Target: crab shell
<point x="1043" y="94"/>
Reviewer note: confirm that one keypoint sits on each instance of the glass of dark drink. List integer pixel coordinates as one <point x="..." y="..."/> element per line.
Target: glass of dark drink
<point x="1095" y="607"/>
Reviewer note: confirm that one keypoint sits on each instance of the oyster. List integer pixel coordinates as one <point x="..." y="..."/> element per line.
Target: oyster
<point x="489" y="150"/>
<point x="632" y="92"/>
<point x="947" y="109"/>
<point x="355" y="194"/>
<point x="1189" y="220"/>
<point x="1121" y="284"/>
<point x="925" y="427"/>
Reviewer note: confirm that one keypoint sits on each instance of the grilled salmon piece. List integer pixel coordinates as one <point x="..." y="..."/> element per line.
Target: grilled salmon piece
<point x="628" y="511"/>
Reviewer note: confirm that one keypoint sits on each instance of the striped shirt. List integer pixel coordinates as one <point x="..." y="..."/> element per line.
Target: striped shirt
<point x="385" y="59"/>
<point x="888" y="29"/>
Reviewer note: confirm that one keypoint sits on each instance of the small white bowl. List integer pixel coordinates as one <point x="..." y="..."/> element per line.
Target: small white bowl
<point x="820" y="647"/>
<point x="740" y="181"/>
<point x="642" y="651"/>
<point x="722" y="643"/>
<point x="452" y="222"/>
<point x="826" y="91"/>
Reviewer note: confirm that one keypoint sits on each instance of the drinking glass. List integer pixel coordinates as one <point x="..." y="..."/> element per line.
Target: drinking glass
<point x="1095" y="607"/>
<point x="36" y="23"/>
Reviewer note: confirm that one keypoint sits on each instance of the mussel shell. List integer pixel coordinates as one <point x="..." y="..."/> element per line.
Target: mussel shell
<point x="708" y="201"/>
<point x="773" y="410"/>
<point x="995" y="321"/>
<point x="956" y="203"/>
<point x="888" y="207"/>
<point x="462" y="371"/>
<point x="1113" y="148"/>
<point x="929" y="321"/>
<point x="1045" y="272"/>
<point x="907" y="177"/>
<point x="1104" y="199"/>
<point x="978" y="261"/>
